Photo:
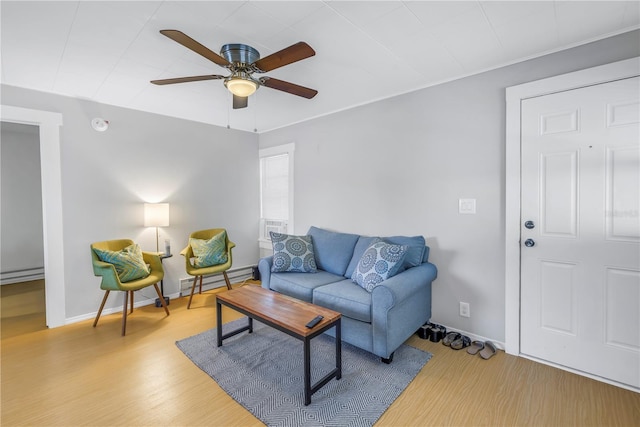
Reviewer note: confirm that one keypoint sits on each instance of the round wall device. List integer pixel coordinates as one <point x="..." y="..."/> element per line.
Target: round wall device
<point x="99" y="124"/>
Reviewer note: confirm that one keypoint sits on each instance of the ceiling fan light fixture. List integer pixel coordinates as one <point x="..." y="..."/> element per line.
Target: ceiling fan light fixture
<point x="240" y="86"/>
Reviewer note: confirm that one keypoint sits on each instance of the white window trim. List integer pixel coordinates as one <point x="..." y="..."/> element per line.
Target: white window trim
<point x="275" y="151"/>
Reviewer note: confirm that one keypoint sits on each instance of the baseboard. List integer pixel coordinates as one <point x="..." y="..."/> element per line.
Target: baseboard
<point x="24" y="275"/>
<point x="118" y="309"/>
<point x="236" y="275"/>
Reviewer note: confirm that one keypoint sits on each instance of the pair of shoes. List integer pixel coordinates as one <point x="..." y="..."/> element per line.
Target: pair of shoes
<point x="436" y="332"/>
<point x="476" y="346"/>
<point x="460" y="343"/>
<point x="451" y="337"/>
<point x="431" y="331"/>
<point x="488" y="350"/>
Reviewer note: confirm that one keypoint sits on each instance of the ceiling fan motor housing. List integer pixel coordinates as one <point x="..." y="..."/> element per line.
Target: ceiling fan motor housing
<point x="239" y="53"/>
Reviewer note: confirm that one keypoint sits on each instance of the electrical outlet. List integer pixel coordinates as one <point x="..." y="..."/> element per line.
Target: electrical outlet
<point x="465" y="309"/>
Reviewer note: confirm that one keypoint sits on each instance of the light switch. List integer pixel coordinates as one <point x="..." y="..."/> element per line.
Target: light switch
<point x="467" y="206"/>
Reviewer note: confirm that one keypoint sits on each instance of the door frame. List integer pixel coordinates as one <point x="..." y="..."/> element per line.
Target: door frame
<point x="514" y="97"/>
<point x="49" y="129"/>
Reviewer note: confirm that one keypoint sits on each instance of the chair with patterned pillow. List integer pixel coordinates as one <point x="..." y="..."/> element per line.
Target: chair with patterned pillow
<point x="208" y="252"/>
<point x="124" y="267"/>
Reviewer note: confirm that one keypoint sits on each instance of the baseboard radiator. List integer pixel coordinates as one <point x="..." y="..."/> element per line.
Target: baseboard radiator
<point x="24" y="275"/>
<point x="236" y="275"/>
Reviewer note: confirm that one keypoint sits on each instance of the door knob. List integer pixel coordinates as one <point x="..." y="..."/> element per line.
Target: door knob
<point x="529" y="243"/>
<point x="529" y="225"/>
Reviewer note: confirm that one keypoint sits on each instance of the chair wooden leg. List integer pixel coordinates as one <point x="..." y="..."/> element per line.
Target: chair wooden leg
<point x="131" y="301"/>
<point x="104" y="300"/>
<point x="226" y="279"/>
<point x="162" y="301"/>
<point x="200" y="289"/>
<point x="193" y="288"/>
<point x="124" y="313"/>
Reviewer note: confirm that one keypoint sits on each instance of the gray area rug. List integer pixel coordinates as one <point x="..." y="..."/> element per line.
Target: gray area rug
<point x="263" y="372"/>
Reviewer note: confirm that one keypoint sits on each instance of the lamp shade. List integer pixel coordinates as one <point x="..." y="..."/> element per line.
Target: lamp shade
<point x="156" y="214"/>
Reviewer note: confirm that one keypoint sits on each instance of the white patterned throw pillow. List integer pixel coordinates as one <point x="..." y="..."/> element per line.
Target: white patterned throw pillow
<point x="292" y="254"/>
<point x="379" y="262"/>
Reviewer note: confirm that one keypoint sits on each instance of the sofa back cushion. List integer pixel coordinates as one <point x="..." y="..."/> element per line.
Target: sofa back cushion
<point x="417" y="252"/>
<point x="333" y="250"/>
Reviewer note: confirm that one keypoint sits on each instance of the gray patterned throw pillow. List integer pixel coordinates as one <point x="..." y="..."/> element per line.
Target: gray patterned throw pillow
<point x="292" y="253"/>
<point x="379" y="262"/>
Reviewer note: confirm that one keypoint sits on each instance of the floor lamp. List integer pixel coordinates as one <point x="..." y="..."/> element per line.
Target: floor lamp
<point x="157" y="215"/>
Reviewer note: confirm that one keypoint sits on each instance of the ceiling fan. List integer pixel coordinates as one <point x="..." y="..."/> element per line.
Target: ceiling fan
<point x="243" y="61"/>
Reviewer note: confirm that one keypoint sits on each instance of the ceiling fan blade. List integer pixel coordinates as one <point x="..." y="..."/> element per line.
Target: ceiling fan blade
<point x="240" y="102"/>
<point x="294" y="89"/>
<point x="186" y="79"/>
<point x="188" y="42"/>
<point x="286" y="56"/>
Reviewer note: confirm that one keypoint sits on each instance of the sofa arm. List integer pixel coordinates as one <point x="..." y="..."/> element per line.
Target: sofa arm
<point x="399" y="306"/>
<point x="404" y="285"/>
<point x="264" y="266"/>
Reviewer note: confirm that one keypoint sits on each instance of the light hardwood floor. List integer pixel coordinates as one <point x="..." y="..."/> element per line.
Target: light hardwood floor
<point x="78" y="375"/>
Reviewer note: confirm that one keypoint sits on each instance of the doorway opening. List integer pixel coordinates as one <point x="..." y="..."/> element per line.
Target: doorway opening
<point x="48" y="124"/>
<point x="22" y="292"/>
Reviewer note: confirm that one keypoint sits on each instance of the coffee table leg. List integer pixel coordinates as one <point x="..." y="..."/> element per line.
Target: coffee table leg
<point x="338" y="350"/>
<point x="219" y="322"/>
<point x="307" y="371"/>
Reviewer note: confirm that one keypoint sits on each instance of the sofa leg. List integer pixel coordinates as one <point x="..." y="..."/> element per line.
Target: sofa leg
<point x="387" y="361"/>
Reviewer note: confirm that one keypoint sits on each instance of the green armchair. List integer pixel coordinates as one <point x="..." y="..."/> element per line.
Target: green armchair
<point x="200" y="272"/>
<point x="111" y="281"/>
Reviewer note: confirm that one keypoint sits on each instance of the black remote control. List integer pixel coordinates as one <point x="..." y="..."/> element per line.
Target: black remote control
<point x="314" y="321"/>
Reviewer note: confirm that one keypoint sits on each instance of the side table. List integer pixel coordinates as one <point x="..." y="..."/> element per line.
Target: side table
<point x="163" y="256"/>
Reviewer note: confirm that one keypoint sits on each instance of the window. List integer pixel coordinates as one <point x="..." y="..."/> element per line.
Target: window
<point x="276" y="192"/>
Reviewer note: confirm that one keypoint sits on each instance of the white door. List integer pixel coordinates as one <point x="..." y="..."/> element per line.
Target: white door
<point x="580" y="231"/>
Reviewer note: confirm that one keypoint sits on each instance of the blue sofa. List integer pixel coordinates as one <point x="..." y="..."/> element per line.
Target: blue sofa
<point x="378" y="321"/>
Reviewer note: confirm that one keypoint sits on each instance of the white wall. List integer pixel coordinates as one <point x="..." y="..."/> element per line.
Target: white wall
<point x="400" y="165"/>
<point x="21" y="247"/>
<point x="208" y="174"/>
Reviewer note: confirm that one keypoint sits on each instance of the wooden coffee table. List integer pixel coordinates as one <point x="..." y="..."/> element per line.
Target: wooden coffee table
<point x="285" y="314"/>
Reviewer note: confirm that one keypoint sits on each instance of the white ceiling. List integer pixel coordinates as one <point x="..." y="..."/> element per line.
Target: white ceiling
<point x="107" y="51"/>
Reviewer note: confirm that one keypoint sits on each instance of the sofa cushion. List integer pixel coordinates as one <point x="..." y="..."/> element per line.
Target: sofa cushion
<point x="380" y="261"/>
<point x="333" y="250"/>
<point x="415" y="253"/>
<point x="292" y="253"/>
<point x="345" y="297"/>
<point x="301" y="285"/>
